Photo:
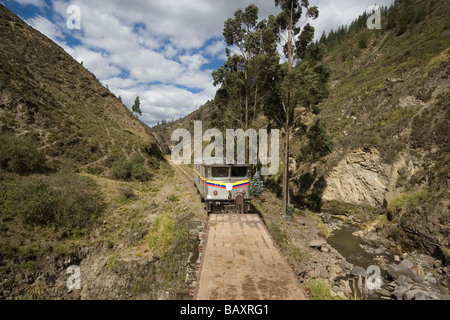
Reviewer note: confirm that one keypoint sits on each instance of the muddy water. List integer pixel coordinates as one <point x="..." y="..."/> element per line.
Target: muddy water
<point x="349" y="246"/>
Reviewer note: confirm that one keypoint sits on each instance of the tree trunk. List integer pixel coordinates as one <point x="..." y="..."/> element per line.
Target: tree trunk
<point x="287" y="127"/>
<point x="286" y="161"/>
<point x="247" y="94"/>
<point x="247" y="102"/>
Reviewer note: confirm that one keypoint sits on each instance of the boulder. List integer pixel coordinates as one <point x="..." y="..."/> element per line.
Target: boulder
<point x="406" y="263"/>
<point x="399" y="292"/>
<point x="403" y="281"/>
<point x="346" y="265"/>
<point x="396" y="270"/>
<point x="358" y="271"/>
<point x="420" y="296"/>
<point x="432" y="280"/>
<point x="316" y="243"/>
<point x="410" y="294"/>
<point x="418" y="279"/>
<point x="418" y="270"/>
<point x="383" y="292"/>
<point x="358" y="233"/>
<point x="360" y="178"/>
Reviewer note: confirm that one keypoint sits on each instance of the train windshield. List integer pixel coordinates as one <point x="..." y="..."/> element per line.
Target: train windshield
<point x="238" y="172"/>
<point x="220" y="172"/>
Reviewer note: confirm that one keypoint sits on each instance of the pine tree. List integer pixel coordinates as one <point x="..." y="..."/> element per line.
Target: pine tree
<point x="136" y="107"/>
<point x="256" y="185"/>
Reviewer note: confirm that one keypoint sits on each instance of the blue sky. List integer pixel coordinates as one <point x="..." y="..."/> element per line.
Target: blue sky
<point x="160" y="50"/>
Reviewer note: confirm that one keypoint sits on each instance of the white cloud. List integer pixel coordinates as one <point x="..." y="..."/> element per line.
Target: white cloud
<point x="46" y="27"/>
<point x="37" y="3"/>
<point x="333" y="14"/>
<point x="216" y="49"/>
<point x="95" y="62"/>
<point x="168" y="101"/>
<point x="162" y="50"/>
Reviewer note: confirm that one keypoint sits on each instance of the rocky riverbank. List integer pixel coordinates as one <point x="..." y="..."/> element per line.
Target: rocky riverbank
<point x="407" y="276"/>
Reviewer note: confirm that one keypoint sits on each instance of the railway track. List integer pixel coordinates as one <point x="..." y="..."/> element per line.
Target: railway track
<point x="240" y="261"/>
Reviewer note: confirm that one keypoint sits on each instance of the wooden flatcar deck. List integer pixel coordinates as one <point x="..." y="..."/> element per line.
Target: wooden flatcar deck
<point x="242" y="262"/>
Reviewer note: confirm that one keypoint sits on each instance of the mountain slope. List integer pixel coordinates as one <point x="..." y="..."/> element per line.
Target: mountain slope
<point x="47" y="95"/>
<point x="388" y="113"/>
<point x="63" y="136"/>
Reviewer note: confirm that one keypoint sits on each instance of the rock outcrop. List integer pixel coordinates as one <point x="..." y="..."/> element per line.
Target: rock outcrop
<point x="360" y="178"/>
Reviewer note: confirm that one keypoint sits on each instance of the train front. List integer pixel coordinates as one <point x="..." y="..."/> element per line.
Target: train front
<point x="229" y="187"/>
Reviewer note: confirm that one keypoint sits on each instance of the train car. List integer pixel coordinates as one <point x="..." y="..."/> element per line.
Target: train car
<point x="223" y="187"/>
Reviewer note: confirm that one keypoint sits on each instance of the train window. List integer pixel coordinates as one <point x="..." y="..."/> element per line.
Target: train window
<point x="220" y="172"/>
<point x="239" y="171"/>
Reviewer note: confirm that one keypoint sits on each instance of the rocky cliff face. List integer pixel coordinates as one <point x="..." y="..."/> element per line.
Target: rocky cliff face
<point x="423" y="216"/>
<point x="360" y="178"/>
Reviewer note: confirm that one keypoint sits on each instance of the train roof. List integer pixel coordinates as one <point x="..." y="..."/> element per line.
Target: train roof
<point x="219" y="162"/>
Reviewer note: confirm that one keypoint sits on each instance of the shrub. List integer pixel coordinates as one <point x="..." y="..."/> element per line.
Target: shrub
<point x="64" y="200"/>
<point x="172" y="198"/>
<point x="290" y="210"/>
<point x="131" y="169"/>
<point x="162" y="234"/>
<point x="126" y="192"/>
<point x="21" y="155"/>
<point x="34" y="200"/>
<point x="321" y="290"/>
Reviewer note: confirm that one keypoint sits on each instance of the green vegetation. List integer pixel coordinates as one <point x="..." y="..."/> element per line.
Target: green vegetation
<point x="256" y="185"/>
<point x="319" y="143"/>
<point x="406" y="199"/>
<point x="173" y="198"/>
<point x="63" y="109"/>
<point x="254" y="82"/>
<point x="245" y="76"/>
<point x="64" y="200"/>
<point x="296" y="253"/>
<point x="321" y="290"/>
<point x="35" y="292"/>
<point x="324" y="231"/>
<point x="112" y="261"/>
<point x="162" y="234"/>
<point x="126" y="193"/>
<point x="21" y="155"/>
<point x="131" y="169"/>
<point x="137" y="107"/>
<point x="280" y="236"/>
<point x="363" y="40"/>
<point x="342" y="208"/>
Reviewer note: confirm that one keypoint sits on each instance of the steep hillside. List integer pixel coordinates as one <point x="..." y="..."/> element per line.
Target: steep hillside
<point x="82" y="182"/>
<point x="46" y="95"/>
<point x="388" y="113"/>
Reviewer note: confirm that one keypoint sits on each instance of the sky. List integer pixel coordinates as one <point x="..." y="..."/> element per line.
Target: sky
<point x="163" y="51"/>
